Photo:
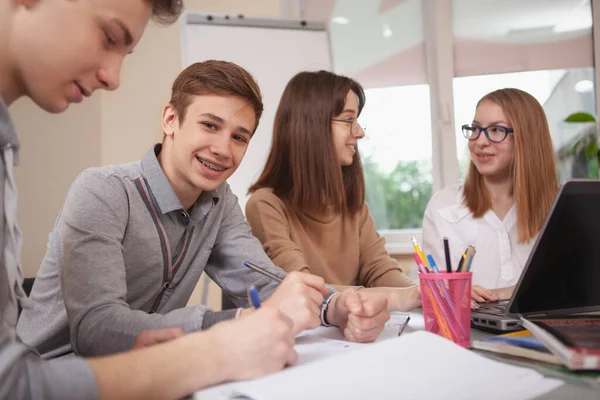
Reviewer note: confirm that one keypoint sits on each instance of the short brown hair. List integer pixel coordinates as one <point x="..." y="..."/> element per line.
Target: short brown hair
<point x="303" y="167"/>
<point x="215" y="77"/>
<point x="166" y="11"/>
<point x="534" y="174"/>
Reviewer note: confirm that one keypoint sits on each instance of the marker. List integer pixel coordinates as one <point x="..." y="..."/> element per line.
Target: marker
<point x="253" y="297"/>
<point x="420" y="266"/>
<point x="262" y="271"/>
<point x="432" y="263"/>
<point x="447" y="253"/>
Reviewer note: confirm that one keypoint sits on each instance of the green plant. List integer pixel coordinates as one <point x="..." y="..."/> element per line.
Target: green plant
<point x="585" y="149"/>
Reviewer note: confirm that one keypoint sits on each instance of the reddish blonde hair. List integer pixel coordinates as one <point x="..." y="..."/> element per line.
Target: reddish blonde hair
<point x="533" y="172"/>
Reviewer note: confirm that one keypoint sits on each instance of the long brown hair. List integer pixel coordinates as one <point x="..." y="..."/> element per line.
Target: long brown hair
<point x="533" y="172"/>
<point x="303" y="168"/>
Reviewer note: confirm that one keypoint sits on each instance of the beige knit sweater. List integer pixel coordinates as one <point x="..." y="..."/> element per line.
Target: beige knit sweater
<point x="344" y="250"/>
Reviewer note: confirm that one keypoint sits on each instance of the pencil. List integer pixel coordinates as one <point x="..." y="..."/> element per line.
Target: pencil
<point x="461" y="262"/>
<point x="471" y="260"/>
<point x="468" y="257"/>
<point x="404" y="325"/>
<point x="419" y="251"/>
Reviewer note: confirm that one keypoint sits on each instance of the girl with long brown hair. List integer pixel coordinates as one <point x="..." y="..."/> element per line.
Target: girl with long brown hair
<point x="308" y="206"/>
<point x="509" y="190"/>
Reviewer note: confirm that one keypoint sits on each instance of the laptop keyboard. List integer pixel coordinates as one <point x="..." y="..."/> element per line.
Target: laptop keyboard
<point x="495" y="308"/>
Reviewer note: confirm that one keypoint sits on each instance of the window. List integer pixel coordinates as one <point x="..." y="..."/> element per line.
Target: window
<point x="396" y="155"/>
<point x="382" y="46"/>
<point x="425" y="64"/>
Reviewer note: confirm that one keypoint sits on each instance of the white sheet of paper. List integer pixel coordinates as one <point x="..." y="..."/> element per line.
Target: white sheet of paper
<point x="324" y="342"/>
<point x="417" y="365"/>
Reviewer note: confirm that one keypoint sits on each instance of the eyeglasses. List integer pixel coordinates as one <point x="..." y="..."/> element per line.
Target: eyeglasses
<point x="355" y="127"/>
<point x="493" y="133"/>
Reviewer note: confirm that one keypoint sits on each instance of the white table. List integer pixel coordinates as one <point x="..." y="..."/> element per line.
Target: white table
<point x="564" y="392"/>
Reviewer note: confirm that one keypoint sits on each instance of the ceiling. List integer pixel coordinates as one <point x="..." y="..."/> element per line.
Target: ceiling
<point x="370" y="37"/>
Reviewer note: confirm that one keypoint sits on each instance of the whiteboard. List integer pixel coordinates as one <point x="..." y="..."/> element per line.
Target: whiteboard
<point x="273" y="52"/>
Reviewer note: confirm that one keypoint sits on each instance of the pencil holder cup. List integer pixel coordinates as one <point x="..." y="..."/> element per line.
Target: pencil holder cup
<point x="446" y="303"/>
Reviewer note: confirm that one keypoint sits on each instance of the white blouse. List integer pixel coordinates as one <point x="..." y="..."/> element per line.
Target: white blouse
<point x="499" y="259"/>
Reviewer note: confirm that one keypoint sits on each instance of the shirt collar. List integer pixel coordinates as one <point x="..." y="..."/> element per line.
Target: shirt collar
<point x="8" y="135"/>
<point x="509" y="221"/>
<point x="163" y="192"/>
<point x="459" y="211"/>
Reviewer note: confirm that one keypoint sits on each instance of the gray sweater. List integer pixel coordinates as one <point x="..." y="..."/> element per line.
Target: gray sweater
<point x="125" y="256"/>
<point x="23" y="375"/>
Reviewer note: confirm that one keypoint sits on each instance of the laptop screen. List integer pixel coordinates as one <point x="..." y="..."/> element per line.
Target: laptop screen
<point x="563" y="270"/>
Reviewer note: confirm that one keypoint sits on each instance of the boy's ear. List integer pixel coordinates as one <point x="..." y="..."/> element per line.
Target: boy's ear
<point x="170" y="120"/>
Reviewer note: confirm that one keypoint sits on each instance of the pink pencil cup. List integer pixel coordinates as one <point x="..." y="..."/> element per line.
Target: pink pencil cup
<point x="446" y="303"/>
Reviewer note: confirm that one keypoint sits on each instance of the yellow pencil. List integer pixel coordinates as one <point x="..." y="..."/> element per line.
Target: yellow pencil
<point x="419" y="251"/>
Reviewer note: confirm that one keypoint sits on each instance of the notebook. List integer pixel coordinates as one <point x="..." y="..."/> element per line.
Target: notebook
<point x="417" y="365"/>
<point x="520" y="344"/>
<point x="575" y="340"/>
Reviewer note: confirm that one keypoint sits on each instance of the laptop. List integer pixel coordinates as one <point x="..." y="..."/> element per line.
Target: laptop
<point x="562" y="274"/>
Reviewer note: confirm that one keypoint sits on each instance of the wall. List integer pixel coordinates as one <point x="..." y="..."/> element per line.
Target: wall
<point x="406" y="261"/>
<point x="54" y="149"/>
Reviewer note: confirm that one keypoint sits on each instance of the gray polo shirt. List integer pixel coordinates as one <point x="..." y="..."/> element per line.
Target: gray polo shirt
<point x="125" y="256"/>
<point x="23" y="375"/>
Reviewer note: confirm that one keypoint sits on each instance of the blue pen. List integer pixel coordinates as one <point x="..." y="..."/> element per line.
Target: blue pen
<point x="432" y="263"/>
<point x="253" y="297"/>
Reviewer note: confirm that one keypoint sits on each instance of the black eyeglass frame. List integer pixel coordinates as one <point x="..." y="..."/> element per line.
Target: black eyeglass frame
<point x="353" y="122"/>
<point x="506" y="130"/>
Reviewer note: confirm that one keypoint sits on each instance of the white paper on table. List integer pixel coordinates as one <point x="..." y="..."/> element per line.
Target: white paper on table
<point x="320" y="343"/>
<point x="324" y="342"/>
<point x="417" y="365"/>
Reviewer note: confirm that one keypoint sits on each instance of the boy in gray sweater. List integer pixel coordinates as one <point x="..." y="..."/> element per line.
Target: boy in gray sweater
<point x="132" y="240"/>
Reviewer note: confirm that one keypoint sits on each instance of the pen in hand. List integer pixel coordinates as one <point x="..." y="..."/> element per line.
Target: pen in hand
<point x="253" y="298"/>
<point x="263" y="271"/>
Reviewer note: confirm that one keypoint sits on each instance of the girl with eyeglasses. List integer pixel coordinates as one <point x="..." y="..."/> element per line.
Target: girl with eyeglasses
<point x="308" y="206"/>
<point x="509" y="189"/>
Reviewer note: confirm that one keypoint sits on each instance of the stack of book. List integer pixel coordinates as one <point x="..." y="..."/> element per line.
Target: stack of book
<point x="573" y="342"/>
<point x="518" y="344"/>
<point x="568" y="348"/>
